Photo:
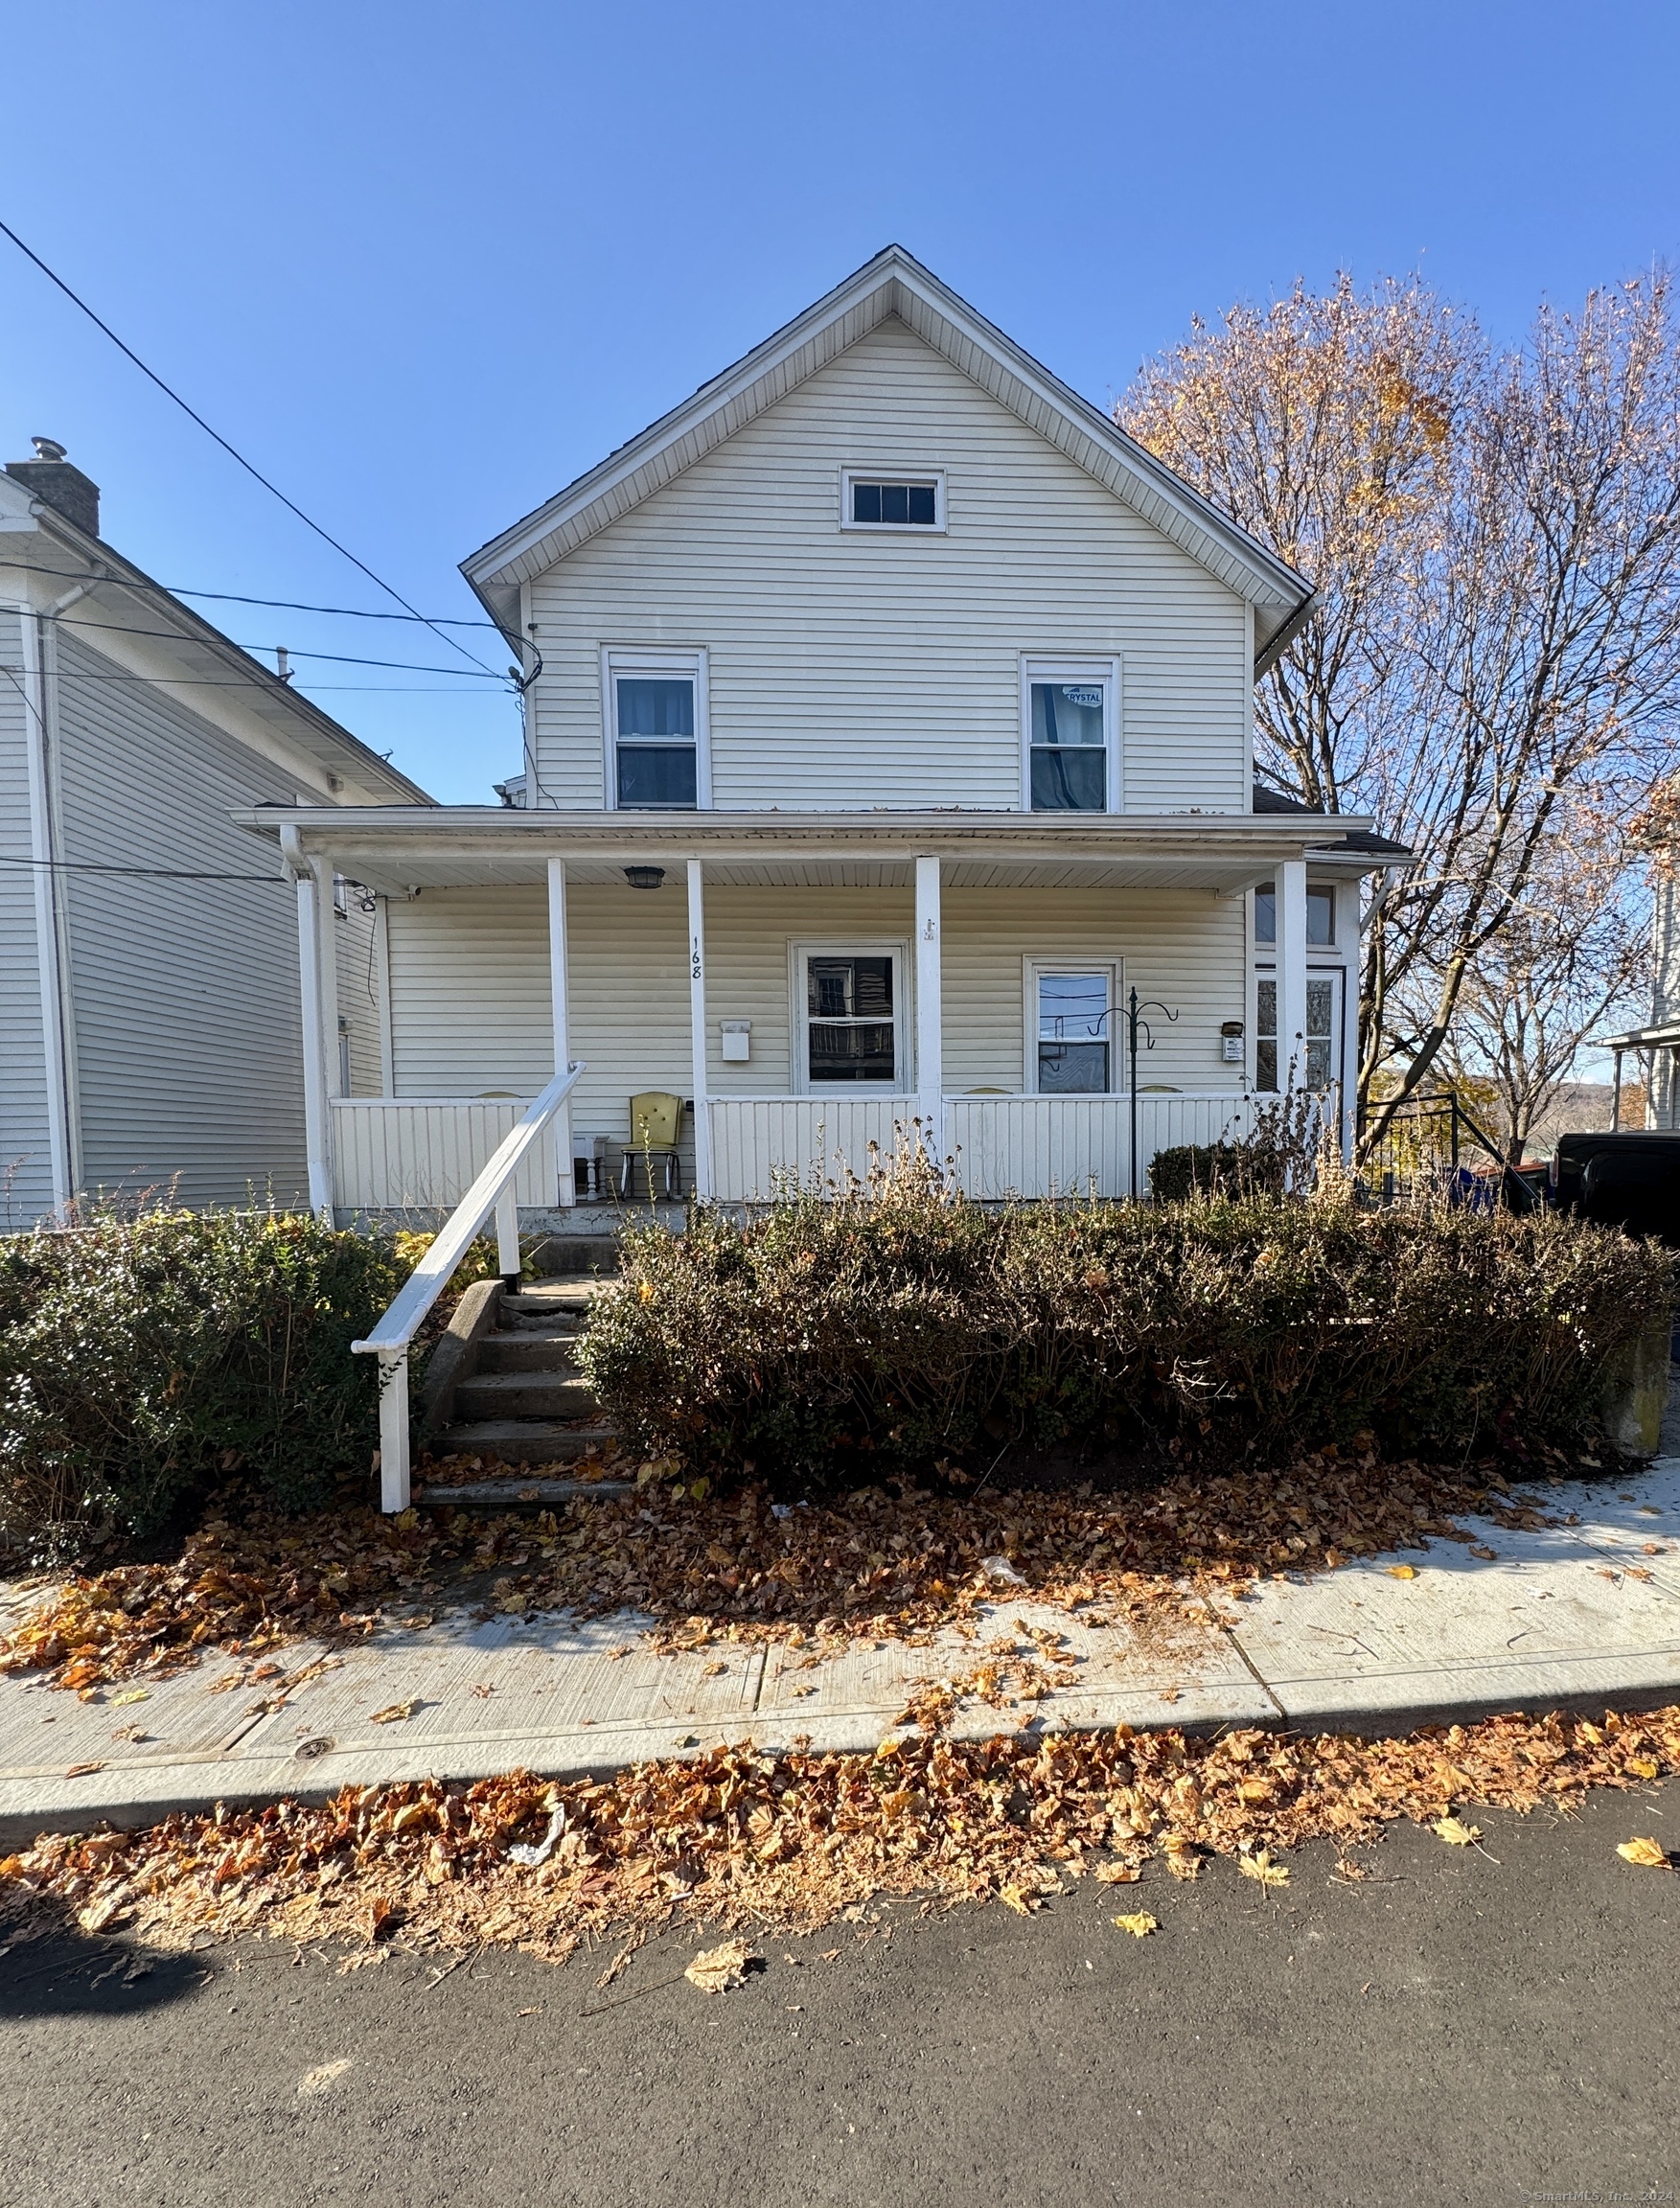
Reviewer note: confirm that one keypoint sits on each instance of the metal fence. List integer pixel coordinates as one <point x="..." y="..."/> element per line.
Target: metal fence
<point x="1433" y="1142"/>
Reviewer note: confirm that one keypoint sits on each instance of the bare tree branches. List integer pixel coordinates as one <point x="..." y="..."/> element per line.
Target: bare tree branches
<point x="1497" y="540"/>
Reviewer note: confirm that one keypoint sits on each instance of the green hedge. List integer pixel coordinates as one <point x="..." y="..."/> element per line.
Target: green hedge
<point x="141" y="1359"/>
<point x="890" y="1331"/>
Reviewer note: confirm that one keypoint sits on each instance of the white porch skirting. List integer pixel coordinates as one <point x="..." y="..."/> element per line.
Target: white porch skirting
<point x="424" y="1153"/>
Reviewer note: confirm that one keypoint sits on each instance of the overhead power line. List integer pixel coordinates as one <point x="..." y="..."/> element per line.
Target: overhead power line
<point x="343" y="658"/>
<point x="278" y="604"/>
<point x="234" y="453"/>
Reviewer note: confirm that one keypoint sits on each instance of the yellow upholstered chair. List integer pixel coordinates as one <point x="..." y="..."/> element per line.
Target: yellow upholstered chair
<point x="655" y="1123"/>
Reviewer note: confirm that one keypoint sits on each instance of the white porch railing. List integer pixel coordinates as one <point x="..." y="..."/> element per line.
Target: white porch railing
<point x="1028" y="1146"/>
<point x="425" y="1152"/>
<point x="756" y="1140"/>
<point x="1036" y="1146"/>
<point x="493" y="1189"/>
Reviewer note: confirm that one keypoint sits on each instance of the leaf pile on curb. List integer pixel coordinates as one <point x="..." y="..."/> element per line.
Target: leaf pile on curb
<point x="891" y="1564"/>
<point x="738" y="1839"/>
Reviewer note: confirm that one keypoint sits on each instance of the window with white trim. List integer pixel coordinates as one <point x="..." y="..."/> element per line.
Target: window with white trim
<point x="655" y="705"/>
<point x="849" y="1017"/>
<point x="907" y="503"/>
<point x="1071" y="1025"/>
<point x="1320" y="915"/>
<point x="1321" y="1038"/>
<point x="1070" y="720"/>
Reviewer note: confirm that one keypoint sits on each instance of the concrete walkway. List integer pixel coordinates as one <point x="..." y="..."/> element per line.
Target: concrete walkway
<point x="1581" y="1615"/>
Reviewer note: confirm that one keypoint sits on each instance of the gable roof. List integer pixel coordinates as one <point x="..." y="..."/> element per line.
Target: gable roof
<point x="28" y="523"/>
<point x="895" y="283"/>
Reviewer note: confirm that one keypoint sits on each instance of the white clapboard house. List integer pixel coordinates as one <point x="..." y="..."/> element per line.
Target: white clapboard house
<point x="888" y="721"/>
<point x="150" y="1032"/>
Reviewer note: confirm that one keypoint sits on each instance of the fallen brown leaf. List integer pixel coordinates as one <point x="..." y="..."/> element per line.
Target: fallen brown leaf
<point x="1651" y="1853"/>
<point x="720" y="1969"/>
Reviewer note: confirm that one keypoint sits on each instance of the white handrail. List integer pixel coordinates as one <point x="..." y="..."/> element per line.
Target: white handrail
<point x="491" y="1191"/>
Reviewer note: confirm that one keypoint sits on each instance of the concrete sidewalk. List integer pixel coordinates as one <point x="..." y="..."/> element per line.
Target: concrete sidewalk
<point x="1579" y="1616"/>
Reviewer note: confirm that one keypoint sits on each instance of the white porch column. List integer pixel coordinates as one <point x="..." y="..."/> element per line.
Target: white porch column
<point x="316" y="1139"/>
<point x="557" y="997"/>
<point x="326" y="907"/>
<point x="697" y="1028"/>
<point x="1292" y="975"/>
<point x="1349" y="903"/>
<point x="929" y="1010"/>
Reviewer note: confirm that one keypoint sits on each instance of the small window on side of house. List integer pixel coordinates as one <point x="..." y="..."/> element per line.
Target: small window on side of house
<point x="871" y="499"/>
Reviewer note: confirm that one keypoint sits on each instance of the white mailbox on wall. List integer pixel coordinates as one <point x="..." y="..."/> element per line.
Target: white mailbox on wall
<point x="737" y="1040"/>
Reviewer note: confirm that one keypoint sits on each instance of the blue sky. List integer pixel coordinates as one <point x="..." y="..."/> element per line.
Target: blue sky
<point x="425" y="264"/>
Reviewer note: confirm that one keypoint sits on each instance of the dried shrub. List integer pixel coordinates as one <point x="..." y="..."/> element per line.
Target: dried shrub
<point x="897" y="1326"/>
<point x="142" y="1358"/>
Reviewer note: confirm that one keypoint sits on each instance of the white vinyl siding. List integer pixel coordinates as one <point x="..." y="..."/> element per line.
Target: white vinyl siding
<point x="471" y="1003"/>
<point x="26" y="1165"/>
<point x="853" y="668"/>
<point x="360" y="982"/>
<point x="471" y="1009"/>
<point x="185" y="991"/>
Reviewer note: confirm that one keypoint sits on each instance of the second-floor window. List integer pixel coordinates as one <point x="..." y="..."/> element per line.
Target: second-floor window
<point x="1069" y="718"/>
<point x="655" y="733"/>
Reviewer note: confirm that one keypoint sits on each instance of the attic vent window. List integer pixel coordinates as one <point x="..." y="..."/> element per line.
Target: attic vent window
<point x="871" y="500"/>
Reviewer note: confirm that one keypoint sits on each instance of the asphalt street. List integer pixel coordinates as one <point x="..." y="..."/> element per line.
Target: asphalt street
<point x="1488" y="2025"/>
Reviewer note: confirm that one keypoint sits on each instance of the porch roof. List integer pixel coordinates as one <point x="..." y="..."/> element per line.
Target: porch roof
<point x="400" y="847"/>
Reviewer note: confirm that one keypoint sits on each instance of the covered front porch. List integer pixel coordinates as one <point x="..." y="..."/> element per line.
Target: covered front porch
<point x="815" y="991"/>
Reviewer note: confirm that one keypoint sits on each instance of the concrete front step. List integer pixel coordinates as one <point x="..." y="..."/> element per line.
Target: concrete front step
<point x="511" y="1497"/>
<point x="521" y="1440"/>
<point x="523" y="1395"/>
<point x="532" y="1352"/>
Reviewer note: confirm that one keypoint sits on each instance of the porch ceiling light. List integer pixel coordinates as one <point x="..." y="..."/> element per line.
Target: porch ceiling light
<point x="645" y="877"/>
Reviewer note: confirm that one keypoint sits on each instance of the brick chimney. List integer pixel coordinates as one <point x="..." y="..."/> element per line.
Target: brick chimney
<point x="51" y="478"/>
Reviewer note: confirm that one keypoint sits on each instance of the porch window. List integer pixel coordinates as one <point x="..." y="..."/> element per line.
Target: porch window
<point x="1070" y="720"/>
<point x="1321" y="994"/>
<point x="851" y="1017"/>
<point x="1320" y="915"/>
<point x="656" y="730"/>
<point x="1074" y="1039"/>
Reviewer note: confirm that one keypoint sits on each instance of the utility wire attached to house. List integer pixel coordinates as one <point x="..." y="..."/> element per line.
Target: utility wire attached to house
<point x="233" y="453"/>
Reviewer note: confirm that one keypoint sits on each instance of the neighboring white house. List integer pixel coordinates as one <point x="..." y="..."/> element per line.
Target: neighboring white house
<point x="150" y="1035"/>
<point x="1655" y="1048"/>
<point x="889" y="720"/>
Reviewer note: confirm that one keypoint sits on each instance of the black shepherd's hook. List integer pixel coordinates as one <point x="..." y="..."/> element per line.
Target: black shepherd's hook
<point x="1137" y="1025"/>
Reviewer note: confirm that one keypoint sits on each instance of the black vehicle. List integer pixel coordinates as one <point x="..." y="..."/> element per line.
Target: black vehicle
<point x="1629" y="1180"/>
